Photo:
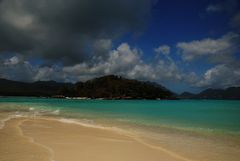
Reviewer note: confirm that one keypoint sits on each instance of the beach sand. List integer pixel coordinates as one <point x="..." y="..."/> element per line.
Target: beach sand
<point x="43" y="139"/>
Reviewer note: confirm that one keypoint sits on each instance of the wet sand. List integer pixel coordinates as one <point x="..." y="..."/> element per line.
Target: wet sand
<point x="42" y="139"/>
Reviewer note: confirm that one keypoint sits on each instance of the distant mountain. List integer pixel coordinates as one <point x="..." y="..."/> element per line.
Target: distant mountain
<point x="39" y="88"/>
<point x="186" y="95"/>
<point x="229" y="93"/>
<point x="107" y="87"/>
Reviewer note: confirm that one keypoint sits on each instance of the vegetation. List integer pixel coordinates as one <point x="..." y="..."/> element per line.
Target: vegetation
<point x="229" y="93"/>
<point x="107" y="87"/>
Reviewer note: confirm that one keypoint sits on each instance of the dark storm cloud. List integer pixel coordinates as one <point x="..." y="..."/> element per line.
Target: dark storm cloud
<point x="64" y="30"/>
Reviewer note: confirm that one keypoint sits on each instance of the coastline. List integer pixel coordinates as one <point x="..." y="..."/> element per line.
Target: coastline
<point x="50" y="139"/>
<point x="68" y="130"/>
<point x="66" y="140"/>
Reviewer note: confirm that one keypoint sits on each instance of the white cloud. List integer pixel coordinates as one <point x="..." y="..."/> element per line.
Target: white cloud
<point x="163" y="49"/>
<point x="223" y="6"/>
<point x="143" y="71"/>
<point x="124" y="57"/>
<point x="127" y="61"/>
<point x="207" y="47"/>
<point x="222" y="53"/>
<point x="168" y="70"/>
<point x="120" y="60"/>
<point x="12" y="61"/>
<point x="220" y="76"/>
<point x="45" y="73"/>
<point x="16" y="68"/>
<point x="123" y="61"/>
<point x="214" y="8"/>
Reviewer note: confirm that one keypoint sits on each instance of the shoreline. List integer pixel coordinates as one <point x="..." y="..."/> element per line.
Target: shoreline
<point x="116" y="130"/>
<point x="107" y="136"/>
<point x="166" y="146"/>
<point x="89" y="98"/>
<point x="118" y="98"/>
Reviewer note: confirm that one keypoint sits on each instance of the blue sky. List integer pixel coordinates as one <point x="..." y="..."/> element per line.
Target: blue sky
<point x="175" y="21"/>
<point x="185" y="45"/>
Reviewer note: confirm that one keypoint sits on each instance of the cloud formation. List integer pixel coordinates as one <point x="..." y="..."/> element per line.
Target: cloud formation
<point x="222" y="53"/>
<point x="213" y="48"/>
<point x="128" y="62"/>
<point x="124" y="60"/>
<point x="16" y="68"/>
<point x="163" y="49"/>
<point x="214" y="8"/>
<point x="64" y="31"/>
<point x="220" y="76"/>
<point x="223" y="6"/>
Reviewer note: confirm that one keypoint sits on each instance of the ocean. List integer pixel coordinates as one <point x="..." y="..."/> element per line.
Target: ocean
<point x="200" y="116"/>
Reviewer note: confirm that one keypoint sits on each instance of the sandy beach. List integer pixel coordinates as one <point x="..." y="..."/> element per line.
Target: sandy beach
<point x="47" y="139"/>
<point x="25" y="139"/>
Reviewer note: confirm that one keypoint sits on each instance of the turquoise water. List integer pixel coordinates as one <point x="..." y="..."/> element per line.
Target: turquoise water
<point x="204" y="115"/>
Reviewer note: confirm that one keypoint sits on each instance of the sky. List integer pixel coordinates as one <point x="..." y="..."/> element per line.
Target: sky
<point x="184" y="45"/>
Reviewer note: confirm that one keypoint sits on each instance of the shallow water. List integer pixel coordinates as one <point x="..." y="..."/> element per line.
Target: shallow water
<point x="203" y="116"/>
